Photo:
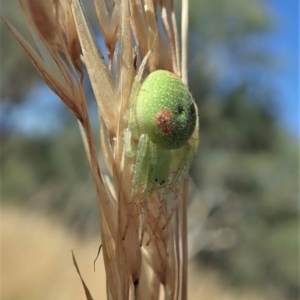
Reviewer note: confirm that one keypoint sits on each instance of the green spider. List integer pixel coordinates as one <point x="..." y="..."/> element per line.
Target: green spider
<point x="162" y="134"/>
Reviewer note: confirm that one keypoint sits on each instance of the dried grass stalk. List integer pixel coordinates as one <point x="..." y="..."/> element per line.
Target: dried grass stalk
<point x="60" y="28"/>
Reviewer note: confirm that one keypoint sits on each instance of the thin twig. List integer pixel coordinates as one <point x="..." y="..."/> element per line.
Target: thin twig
<point x="184" y="243"/>
<point x="184" y="40"/>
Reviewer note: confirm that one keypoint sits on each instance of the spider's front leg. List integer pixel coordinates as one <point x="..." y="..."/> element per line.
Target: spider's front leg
<point x="145" y="160"/>
<point x="141" y="165"/>
<point x="140" y="152"/>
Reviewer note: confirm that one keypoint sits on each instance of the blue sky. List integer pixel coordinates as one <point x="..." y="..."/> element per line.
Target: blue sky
<point x="282" y="42"/>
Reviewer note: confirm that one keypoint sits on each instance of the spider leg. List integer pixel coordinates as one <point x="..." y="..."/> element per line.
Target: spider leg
<point x="181" y="161"/>
<point x="140" y="174"/>
<point x="142" y="164"/>
<point x="158" y="177"/>
<point x="145" y="160"/>
<point x="130" y="151"/>
<point x="150" y="185"/>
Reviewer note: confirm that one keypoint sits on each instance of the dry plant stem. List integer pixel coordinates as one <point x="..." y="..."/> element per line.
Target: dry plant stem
<point x="176" y="40"/>
<point x="107" y="223"/>
<point x="166" y="11"/>
<point x="184" y="77"/>
<point x="184" y="38"/>
<point x="124" y="81"/>
<point x="177" y="249"/>
<point x="184" y="241"/>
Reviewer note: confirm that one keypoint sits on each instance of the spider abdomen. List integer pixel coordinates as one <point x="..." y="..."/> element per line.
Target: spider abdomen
<point x="165" y="110"/>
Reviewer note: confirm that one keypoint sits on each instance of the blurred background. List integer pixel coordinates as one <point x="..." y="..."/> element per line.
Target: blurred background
<point x="244" y="199"/>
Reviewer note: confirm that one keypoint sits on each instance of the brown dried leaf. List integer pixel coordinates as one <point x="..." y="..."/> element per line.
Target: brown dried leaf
<point x="86" y="290"/>
<point x="69" y="32"/>
<point x="42" y="15"/>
